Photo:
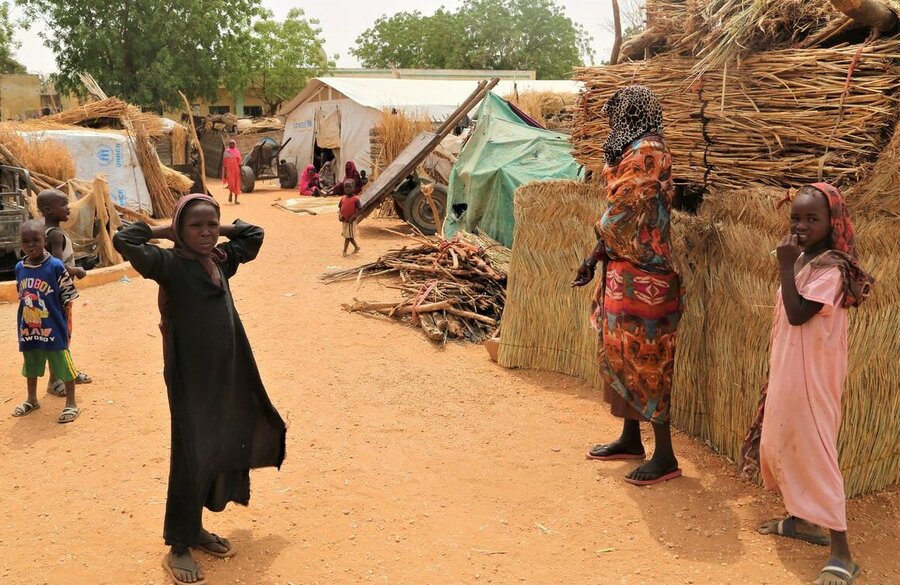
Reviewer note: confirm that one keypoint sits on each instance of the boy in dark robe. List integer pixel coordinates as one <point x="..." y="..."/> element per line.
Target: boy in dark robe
<point x="223" y="423"/>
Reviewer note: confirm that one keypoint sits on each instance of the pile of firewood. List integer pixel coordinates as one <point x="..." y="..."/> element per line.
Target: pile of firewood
<point x="452" y="289"/>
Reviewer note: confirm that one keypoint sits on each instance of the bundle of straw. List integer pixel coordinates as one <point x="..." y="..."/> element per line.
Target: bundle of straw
<point x="555" y="111"/>
<point x="392" y="133"/>
<point x="780" y="120"/>
<point x="161" y="196"/>
<point x="109" y="113"/>
<point x="176" y="181"/>
<point x="179" y="145"/>
<point x="40" y="155"/>
<point x="546" y="321"/>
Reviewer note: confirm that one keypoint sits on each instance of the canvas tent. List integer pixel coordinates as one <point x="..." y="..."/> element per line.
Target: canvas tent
<point x="338" y="113"/>
<point x="503" y="153"/>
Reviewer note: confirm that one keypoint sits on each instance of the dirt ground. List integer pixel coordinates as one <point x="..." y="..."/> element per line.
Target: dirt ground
<point x="406" y="463"/>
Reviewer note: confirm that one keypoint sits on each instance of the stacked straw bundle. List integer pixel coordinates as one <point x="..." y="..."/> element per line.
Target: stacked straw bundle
<point x="779" y="119"/>
<point x="179" y="145"/>
<point x="40" y="155"/>
<point x="546" y="321"/>
<point x="730" y="281"/>
<point x="108" y="113"/>
<point x="555" y="111"/>
<point x="392" y="133"/>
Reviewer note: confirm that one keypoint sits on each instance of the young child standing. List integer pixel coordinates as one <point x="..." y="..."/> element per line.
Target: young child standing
<point x="223" y="423"/>
<point x="54" y="206"/>
<point x="348" y="205"/>
<point x="231" y="171"/>
<point x="820" y="279"/>
<point x="45" y="290"/>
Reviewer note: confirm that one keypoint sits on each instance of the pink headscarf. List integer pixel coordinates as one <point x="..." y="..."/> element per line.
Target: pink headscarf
<point x="306" y="179"/>
<point x="208" y="261"/>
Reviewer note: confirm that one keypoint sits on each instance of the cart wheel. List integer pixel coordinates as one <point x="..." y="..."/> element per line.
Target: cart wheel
<point x="248" y="179"/>
<point x="287" y="175"/>
<point x="417" y="212"/>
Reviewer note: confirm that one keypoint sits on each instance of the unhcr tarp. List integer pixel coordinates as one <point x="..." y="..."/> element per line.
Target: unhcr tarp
<point x="501" y="154"/>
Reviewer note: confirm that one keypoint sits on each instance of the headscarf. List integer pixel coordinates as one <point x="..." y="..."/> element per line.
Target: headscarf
<point x="352" y="174"/>
<point x="326" y="175"/>
<point x="307" y="177"/>
<point x="208" y="261"/>
<point x="233" y="152"/>
<point x="633" y="112"/>
<point x="857" y="283"/>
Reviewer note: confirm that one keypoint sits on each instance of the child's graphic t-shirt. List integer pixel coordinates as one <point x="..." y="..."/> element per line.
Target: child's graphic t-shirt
<point x="44" y="291"/>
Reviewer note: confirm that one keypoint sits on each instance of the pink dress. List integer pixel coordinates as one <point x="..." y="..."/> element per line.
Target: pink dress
<point x="807" y="369"/>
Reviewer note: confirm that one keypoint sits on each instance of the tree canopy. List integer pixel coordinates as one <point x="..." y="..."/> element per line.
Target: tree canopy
<point x="275" y="58"/>
<point x="143" y="51"/>
<point x="481" y="34"/>
<point x="8" y="63"/>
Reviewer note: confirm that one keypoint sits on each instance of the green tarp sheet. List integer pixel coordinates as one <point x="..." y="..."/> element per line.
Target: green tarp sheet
<point x="501" y="154"/>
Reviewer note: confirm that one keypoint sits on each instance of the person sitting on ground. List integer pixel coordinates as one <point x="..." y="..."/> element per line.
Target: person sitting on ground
<point x="326" y="176"/>
<point x="351" y="174"/>
<point x="45" y="290"/>
<point x="793" y="441"/>
<point x="223" y="423"/>
<point x="54" y="206"/>
<point x="309" y="182"/>
<point x="347" y="207"/>
<point x="231" y="171"/>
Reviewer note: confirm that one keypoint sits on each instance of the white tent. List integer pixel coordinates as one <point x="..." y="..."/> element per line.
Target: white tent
<point x="338" y="113"/>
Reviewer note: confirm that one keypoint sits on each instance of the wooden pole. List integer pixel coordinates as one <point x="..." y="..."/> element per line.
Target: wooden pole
<point x="617" y="22"/>
<point x="190" y="115"/>
<point x="871" y="13"/>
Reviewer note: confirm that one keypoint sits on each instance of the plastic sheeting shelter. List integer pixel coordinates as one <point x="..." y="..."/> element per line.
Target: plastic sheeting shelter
<point x="109" y="153"/>
<point x="503" y="153"/>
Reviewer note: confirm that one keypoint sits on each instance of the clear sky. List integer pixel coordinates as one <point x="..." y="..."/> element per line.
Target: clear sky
<point x="343" y="21"/>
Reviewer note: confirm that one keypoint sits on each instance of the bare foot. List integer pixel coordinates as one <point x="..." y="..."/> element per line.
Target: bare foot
<point x="183" y="568"/>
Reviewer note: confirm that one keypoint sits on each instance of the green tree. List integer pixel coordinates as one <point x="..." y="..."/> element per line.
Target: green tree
<point x="8" y="63"/>
<point x="482" y="34"/>
<point x="275" y="58"/>
<point x="143" y="51"/>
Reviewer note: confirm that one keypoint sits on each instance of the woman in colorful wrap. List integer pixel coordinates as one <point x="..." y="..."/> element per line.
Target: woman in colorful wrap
<point x="309" y="182"/>
<point x="793" y="442"/>
<point x="231" y="171"/>
<point x="637" y="302"/>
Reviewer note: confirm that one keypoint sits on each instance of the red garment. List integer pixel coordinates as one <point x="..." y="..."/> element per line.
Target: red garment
<point x="231" y="169"/>
<point x="308" y="180"/>
<point x="350" y="173"/>
<point x="349" y="205"/>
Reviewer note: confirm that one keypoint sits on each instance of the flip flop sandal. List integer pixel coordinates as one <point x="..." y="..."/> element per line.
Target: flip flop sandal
<point x="205" y="547"/>
<point x="25" y="408"/>
<point x="787" y="527"/>
<point x="57" y="388"/>
<point x="165" y="564"/>
<point x="603" y="453"/>
<point x="660" y="479"/>
<point x="838" y="568"/>
<point x="83" y="378"/>
<point x="68" y="414"/>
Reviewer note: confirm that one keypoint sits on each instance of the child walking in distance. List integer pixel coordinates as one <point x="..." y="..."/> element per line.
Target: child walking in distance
<point x="348" y="205"/>
<point x="45" y="290"/>
<point x="801" y="413"/>
<point x="223" y="423"/>
<point x="54" y="206"/>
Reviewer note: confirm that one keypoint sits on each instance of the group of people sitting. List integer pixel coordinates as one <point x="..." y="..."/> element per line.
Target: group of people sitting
<point x="322" y="183"/>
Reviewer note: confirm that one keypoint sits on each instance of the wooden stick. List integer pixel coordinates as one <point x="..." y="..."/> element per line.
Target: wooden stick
<point x="190" y="114"/>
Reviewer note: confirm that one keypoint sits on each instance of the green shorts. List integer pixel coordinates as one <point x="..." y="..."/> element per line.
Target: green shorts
<point x="60" y="360"/>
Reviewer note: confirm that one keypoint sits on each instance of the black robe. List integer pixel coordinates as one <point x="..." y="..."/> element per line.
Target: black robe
<point x="223" y="423"/>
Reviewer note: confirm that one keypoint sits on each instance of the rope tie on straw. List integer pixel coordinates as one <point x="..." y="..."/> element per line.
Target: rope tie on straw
<point x="786" y="200"/>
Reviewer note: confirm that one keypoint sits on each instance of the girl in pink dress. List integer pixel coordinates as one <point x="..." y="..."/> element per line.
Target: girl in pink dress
<point x="820" y="279"/>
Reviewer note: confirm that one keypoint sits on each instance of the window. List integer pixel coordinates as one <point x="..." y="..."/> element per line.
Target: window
<point x="214" y="110"/>
<point x="253" y="111"/>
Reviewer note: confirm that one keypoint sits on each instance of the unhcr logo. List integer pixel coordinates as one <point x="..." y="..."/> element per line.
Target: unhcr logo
<point x="104" y="156"/>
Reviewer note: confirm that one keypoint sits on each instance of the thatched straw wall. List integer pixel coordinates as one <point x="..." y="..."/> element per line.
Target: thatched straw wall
<point x="545" y="322"/>
<point x="730" y="283"/>
<point x="778" y="119"/>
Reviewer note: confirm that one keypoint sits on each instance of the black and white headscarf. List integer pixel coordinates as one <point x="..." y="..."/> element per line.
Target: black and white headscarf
<point x="633" y="111"/>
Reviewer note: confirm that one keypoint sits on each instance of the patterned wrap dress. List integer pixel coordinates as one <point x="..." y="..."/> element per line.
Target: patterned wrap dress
<point x="637" y="307"/>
